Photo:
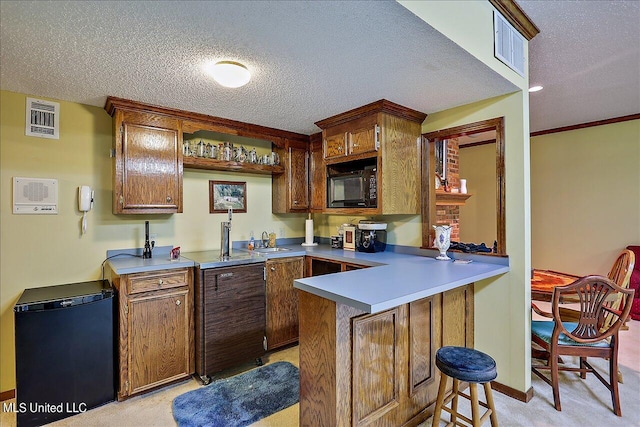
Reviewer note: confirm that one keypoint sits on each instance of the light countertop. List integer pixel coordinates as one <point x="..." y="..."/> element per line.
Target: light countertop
<point x="394" y="278"/>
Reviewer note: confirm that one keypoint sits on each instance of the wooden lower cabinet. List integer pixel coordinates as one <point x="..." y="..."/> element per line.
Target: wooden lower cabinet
<point x="376" y="369"/>
<point x="320" y="266"/>
<point x="282" y="300"/>
<point x="156" y="344"/>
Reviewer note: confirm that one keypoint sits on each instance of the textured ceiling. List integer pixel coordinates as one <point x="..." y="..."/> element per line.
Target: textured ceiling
<point x="587" y="57"/>
<point x="310" y="60"/>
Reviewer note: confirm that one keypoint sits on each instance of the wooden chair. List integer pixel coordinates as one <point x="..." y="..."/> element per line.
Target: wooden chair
<point x="585" y="336"/>
<point x="620" y="274"/>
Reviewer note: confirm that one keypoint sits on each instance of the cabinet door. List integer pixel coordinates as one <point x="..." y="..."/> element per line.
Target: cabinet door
<point x="158" y="339"/>
<point x="363" y="140"/>
<point x="334" y="146"/>
<point x="234" y="316"/>
<point x="148" y="164"/>
<point x="282" y="301"/>
<point x="298" y="179"/>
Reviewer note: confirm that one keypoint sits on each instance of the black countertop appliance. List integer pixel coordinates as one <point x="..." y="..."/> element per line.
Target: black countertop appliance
<point x="371" y="236"/>
<point x="64" y="340"/>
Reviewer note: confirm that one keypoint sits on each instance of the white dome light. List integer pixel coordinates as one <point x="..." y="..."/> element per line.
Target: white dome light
<point x="230" y="74"/>
<point x="535" y="88"/>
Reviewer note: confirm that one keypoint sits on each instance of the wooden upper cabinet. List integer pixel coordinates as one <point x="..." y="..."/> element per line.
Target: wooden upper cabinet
<point x="317" y="174"/>
<point x="335" y="146"/>
<point x="290" y="191"/>
<point x="364" y="140"/>
<point x="383" y="130"/>
<point x="148" y="168"/>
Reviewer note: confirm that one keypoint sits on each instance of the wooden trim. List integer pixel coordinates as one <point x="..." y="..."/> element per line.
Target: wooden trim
<point x="444" y="198"/>
<point x="6" y="395"/>
<point x="587" y="125"/>
<point x="516" y="17"/>
<point x="381" y="106"/>
<point x="475" y="144"/>
<point x="219" y="124"/>
<point x="496" y="124"/>
<point x="512" y="392"/>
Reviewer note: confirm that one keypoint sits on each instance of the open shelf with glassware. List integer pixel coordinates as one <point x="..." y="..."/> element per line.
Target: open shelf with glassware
<point x="223" y="165"/>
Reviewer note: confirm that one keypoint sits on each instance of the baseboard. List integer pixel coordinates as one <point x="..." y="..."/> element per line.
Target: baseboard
<point x="6" y="395"/>
<point x="512" y="392"/>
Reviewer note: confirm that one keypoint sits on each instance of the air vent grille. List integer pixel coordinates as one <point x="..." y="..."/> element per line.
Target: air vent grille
<point x="508" y="44"/>
<point x="43" y="119"/>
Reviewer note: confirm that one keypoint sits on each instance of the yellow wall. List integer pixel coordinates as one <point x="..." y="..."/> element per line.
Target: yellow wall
<point x="43" y="250"/>
<point x="585" y="197"/>
<point x="502" y="305"/>
<point x="502" y="308"/>
<point x="478" y="215"/>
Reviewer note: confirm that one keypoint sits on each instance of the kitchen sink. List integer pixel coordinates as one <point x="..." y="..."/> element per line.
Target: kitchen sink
<point x="269" y="250"/>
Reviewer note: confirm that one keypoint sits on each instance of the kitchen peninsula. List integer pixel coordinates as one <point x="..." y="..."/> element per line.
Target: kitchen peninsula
<point x="368" y="337"/>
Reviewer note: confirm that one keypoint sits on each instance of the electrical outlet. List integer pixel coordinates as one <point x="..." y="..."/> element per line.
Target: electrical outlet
<point x="281" y="232"/>
<point x="153" y="237"/>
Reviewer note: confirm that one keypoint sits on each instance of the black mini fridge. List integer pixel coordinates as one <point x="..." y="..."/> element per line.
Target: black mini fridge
<point x="64" y="340"/>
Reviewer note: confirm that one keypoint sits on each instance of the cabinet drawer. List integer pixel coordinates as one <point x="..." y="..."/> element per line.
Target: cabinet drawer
<point x="334" y="146"/>
<point x="163" y="279"/>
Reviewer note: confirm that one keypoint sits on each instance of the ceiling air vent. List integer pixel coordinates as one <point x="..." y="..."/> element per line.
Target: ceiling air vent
<point x="508" y="44"/>
<point x="43" y="118"/>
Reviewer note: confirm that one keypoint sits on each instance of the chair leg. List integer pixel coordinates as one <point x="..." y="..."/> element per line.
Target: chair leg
<point x="613" y="383"/>
<point x="441" y="392"/>
<point x="489" y="396"/>
<point x="475" y="406"/>
<point x="454" y="402"/>
<point x="553" y="362"/>
<point x="583" y="372"/>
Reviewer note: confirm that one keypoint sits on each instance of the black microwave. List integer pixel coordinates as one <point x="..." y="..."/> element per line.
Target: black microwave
<point x="356" y="188"/>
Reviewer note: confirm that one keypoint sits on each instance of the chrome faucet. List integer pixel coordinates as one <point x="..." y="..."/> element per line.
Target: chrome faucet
<point x="225" y="243"/>
<point x="265" y="239"/>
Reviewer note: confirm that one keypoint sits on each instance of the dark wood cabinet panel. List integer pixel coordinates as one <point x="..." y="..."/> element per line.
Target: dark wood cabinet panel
<point x="156" y="329"/>
<point x="282" y="301"/>
<point x="230" y="317"/>
<point x="158" y="339"/>
<point x="290" y="190"/>
<point x="148" y="164"/>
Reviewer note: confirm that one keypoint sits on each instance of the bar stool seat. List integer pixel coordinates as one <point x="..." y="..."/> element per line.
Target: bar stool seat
<point x="468" y="365"/>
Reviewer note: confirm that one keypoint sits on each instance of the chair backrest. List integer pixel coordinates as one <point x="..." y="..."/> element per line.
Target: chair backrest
<point x="594" y="294"/>
<point x="620" y="274"/>
<point x="622" y="268"/>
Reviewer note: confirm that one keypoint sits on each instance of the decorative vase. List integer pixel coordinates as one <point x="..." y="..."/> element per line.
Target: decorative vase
<point x="442" y="241"/>
<point x="463" y="186"/>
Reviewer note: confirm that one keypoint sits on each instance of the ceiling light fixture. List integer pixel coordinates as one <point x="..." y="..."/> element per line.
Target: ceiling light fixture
<point x="535" y="88"/>
<point x="230" y="74"/>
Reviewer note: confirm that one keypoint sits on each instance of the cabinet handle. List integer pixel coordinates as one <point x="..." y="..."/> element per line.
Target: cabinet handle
<point x="178" y="302"/>
<point x="295" y="202"/>
<point x="340" y="148"/>
<point x="355" y="145"/>
<point x="273" y="269"/>
<point x="160" y="282"/>
<point x="169" y="199"/>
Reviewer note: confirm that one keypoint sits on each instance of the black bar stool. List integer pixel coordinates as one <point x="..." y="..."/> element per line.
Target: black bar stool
<point x="474" y="367"/>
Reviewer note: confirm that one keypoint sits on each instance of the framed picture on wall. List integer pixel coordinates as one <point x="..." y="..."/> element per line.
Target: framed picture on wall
<point x="227" y="194"/>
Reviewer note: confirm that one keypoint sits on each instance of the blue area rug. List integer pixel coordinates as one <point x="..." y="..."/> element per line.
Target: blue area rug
<point x="240" y="400"/>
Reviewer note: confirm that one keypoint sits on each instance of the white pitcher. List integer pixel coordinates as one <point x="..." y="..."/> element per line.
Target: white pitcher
<point x="442" y="240"/>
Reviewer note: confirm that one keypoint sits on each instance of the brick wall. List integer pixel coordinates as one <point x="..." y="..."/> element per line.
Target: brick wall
<point x="450" y="215"/>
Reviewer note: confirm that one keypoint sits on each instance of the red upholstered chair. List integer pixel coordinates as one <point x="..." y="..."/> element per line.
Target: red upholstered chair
<point x="634" y="283"/>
